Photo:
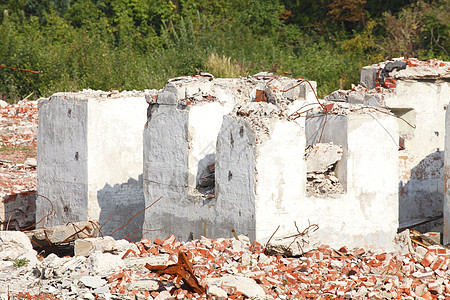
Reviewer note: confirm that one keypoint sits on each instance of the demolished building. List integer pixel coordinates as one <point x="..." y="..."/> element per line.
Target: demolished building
<point x="247" y="155"/>
<point x="417" y="92"/>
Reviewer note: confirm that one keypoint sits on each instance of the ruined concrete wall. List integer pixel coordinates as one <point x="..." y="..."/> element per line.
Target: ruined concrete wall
<point x="446" y="206"/>
<point x="280" y="178"/>
<point x="421" y="163"/>
<point x="366" y="215"/>
<point x="62" y="159"/>
<point x="179" y="141"/>
<point x="90" y="158"/>
<point x="418" y="92"/>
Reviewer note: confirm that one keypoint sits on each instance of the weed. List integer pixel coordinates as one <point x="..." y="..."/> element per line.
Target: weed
<point x="21" y="262"/>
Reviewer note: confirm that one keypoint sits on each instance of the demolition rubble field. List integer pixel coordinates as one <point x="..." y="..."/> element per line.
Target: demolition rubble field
<point x="236" y="268"/>
<point x="18" y="125"/>
<point x="103" y="268"/>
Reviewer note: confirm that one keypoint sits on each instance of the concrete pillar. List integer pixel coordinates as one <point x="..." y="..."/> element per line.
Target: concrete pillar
<point x="446" y="206"/>
<point x="90" y="159"/>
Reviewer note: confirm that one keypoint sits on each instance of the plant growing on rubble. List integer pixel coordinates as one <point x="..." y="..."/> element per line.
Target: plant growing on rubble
<point x="20" y="262"/>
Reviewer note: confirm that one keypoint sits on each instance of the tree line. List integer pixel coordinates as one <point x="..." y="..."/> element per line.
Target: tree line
<point x="138" y="44"/>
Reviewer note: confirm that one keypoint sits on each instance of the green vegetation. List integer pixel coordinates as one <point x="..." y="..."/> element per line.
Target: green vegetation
<point x="20" y="262"/>
<point x="138" y="44"/>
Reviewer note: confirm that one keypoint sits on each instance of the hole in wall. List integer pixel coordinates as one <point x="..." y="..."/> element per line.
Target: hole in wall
<point x="69" y="113"/>
<point x="241" y="131"/>
<point x="76" y="155"/>
<point x="66" y="209"/>
<point x="230" y="175"/>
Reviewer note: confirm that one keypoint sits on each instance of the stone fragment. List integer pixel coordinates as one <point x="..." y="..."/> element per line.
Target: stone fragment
<point x="92" y="281"/>
<point x="322" y="157"/>
<point x="101" y="290"/>
<point x="144" y="285"/>
<point x="14" y="244"/>
<point x="84" y="247"/>
<point x="164" y="295"/>
<point x="289" y="247"/>
<point x="216" y="291"/>
<point x="247" y="286"/>
<point x="31" y="162"/>
<point x="105" y="263"/>
<point x="139" y="263"/>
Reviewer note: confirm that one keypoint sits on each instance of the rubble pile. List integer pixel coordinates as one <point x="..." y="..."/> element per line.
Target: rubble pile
<point x="260" y="116"/>
<point x="104" y="268"/>
<point x="18" y="126"/>
<point x="321" y="161"/>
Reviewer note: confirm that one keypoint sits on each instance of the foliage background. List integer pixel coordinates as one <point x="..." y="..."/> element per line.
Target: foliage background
<point x="138" y="44"/>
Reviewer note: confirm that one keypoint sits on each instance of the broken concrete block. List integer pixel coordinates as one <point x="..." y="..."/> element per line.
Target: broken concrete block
<point x="144" y="285"/>
<point x="291" y="247"/>
<point x="63" y="233"/>
<point x="322" y="157"/>
<point x="18" y="211"/>
<point x="217" y="292"/>
<point x="247" y="286"/>
<point x="14" y="244"/>
<point x="93" y="282"/>
<point x="105" y="263"/>
<point x="139" y="263"/>
<point x="85" y="247"/>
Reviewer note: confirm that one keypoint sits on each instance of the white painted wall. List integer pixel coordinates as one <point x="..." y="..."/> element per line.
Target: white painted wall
<point x="421" y="163"/>
<point x="90" y="158"/>
<point x="366" y="215"/>
<point x="446" y="206"/>
<point x="280" y="178"/>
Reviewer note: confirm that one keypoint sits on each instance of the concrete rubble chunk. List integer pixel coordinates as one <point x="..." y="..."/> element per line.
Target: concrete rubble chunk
<point x="105" y="263"/>
<point x="216" y="291"/>
<point x="63" y="233"/>
<point x="164" y="295"/>
<point x="140" y="262"/>
<point x="105" y="244"/>
<point x="144" y="285"/>
<point x="322" y="156"/>
<point x="291" y="247"/>
<point x="14" y="244"/>
<point x="92" y="281"/>
<point x="247" y="286"/>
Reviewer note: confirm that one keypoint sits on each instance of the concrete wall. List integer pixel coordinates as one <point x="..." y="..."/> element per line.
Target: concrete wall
<point x="180" y="141"/>
<point x="90" y="158"/>
<point x="366" y="215"/>
<point x="446" y="206"/>
<point x="421" y="163"/>
<point x="419" y="93"/>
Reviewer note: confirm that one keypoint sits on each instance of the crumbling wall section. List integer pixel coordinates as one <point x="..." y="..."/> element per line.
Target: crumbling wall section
<point x="62" y="159"/>
<point x="418" y="92"/>
<point x="90" y="159"/>
<point x="366" y="213"/>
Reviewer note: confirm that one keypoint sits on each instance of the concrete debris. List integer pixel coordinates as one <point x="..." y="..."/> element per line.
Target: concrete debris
<point x="321" y="160"/>
<point x="291" y="247"/>
<point x="320" y="273"/>
<point x="18" y="211"/>
<point x="247" y="286"/>
<point x="55" y="235"/>
<point x="105" y="244"/>
<point x="18" y="126"/>
<point x="14" y="244"/>
<point x="322" y="157"/>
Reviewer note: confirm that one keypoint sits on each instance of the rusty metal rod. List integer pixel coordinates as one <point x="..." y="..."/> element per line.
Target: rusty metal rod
<point x="135" y="216"/>
<point x="47" y="215"/>
<point x="19" y="69"/>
